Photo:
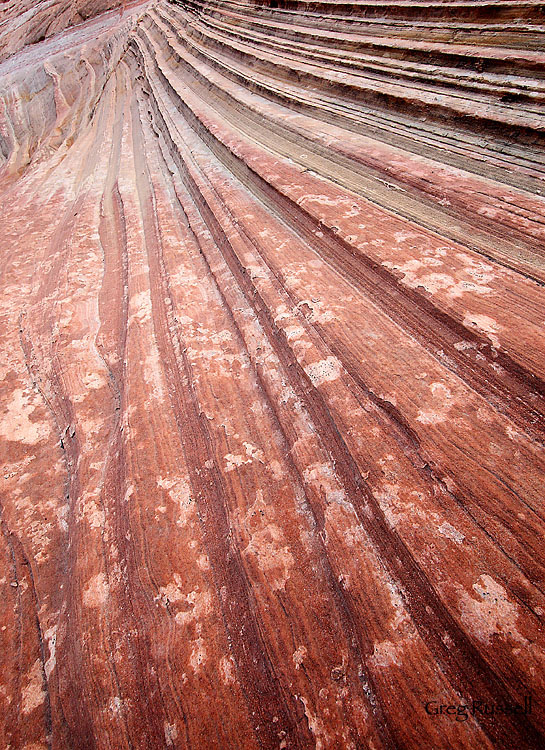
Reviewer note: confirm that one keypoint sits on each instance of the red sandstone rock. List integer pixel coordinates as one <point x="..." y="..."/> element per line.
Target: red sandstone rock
<point x="272" y="404"/>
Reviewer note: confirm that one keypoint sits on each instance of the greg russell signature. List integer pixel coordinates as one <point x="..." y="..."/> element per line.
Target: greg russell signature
<point x="462" y="712"/>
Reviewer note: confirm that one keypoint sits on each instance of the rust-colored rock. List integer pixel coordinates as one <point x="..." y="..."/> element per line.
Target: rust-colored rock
<point x="272" y="372"/>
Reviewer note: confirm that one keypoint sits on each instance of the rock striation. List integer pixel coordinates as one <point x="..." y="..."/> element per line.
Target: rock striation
<point x="272" y="375"/>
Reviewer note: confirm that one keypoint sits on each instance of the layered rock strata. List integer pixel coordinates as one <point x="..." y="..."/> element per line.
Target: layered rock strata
<point x="272" y="366"/>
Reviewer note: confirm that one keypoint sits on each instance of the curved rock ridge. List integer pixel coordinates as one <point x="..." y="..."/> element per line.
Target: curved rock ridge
<point x="272" y="375"/>
<point x="24" y="22"/>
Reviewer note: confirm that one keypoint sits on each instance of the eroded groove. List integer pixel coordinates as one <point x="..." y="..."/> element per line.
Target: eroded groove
<point x="419" y="596"/>
<point x="433" y="328"/>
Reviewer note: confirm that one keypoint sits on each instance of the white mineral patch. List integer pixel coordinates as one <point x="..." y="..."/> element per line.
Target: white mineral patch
<point x="33" y="694"/>
<point x="16" y="425"/>
<point x="96" y="591"/>
<point x="324" y="371"/>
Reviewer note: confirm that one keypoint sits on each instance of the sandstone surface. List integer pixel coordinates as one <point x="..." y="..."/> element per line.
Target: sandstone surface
<point x="272" y="361"/>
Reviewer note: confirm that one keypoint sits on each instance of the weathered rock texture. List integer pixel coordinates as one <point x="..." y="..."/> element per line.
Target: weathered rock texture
<point x="25" y="22"/>
<point x="272" y="361"/>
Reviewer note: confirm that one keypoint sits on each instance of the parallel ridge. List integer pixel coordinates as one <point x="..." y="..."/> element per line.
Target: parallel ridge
<point x="27" y="22"/>
<point x="274" y="346"/>
<point x="373" y="90"/>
